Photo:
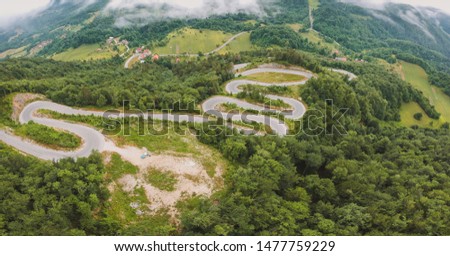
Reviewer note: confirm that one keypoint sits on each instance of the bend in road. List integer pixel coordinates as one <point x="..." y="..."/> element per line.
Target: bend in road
<point x="350" y="75"/>
<point x="93" y="140"/>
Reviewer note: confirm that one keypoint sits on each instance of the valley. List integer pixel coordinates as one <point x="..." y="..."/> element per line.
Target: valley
<point x="243" y="118"/>
<point x="133" y="193"/>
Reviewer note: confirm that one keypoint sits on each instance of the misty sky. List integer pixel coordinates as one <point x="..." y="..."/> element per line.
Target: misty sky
<point x="11" y="8"/>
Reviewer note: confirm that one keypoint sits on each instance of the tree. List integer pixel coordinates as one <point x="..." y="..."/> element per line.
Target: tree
<point x="235" y="150"/>
<point x="101" y="101"/>
<point x="418" y="116"/>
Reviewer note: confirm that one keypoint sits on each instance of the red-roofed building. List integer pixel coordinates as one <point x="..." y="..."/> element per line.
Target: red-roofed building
<point x="155" y="57"/>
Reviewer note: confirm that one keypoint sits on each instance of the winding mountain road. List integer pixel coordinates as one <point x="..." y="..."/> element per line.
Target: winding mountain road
<point x="127" y="63"/>
<point x="233" y="87"/>
<point x="93" y="140"/>
<point x="350" y="75"/>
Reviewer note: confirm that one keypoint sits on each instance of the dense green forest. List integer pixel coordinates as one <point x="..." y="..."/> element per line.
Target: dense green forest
<point x="368" y="178"/>
<point x="40" y="198"/>
<point x="362" y="174"/>
<point x="391" y="182"/>
<point x="282" y="36"/>
<point x="161" y="85"/>
<point x="375" y="180"/>
<point x="106" y="83"/>
<point x="359" y="29"/>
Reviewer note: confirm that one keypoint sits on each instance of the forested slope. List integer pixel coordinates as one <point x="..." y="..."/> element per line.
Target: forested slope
<point x="347" y="168"/>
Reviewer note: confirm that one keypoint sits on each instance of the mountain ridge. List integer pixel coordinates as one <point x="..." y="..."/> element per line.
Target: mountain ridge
<point x="354" y="27"/>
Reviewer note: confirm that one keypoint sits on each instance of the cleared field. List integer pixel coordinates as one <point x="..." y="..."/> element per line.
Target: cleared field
<point x="240" y="44"/>
<point x="193" y="41"/>
<point x="314" y="37"/>
<point x="418" y="78"/>
<point x="117" y="167"/>
<point x="85" y="52"/>
<point x="407" y="112"/>
<point x="14" y="53"/>
<point x="252" y="22"/>
<point x="269" y="77"/>
<point x="296" y="26"/>
<point x="314" y="3"/>
<point x="162" y="180"/>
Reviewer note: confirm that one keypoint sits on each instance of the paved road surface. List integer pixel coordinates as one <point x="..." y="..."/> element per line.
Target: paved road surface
<point x="226" y="43"/>
<point x="350" y="75"/>
<point x="127" y="63"/>
<point x="92" y="139"/>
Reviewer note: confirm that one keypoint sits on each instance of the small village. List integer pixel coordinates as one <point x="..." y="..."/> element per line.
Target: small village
<point x="342" y="58"/>
<point x="145" y="54"/>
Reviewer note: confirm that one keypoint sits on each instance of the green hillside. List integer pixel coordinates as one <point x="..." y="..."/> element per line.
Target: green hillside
<point x="240" y="44"/>
<point x="314" y="4"/>
<point x="193" y="41"/>
<point x="85" y="52"/>
<point x="361" y="148"/>
<point x="419" y="79"/>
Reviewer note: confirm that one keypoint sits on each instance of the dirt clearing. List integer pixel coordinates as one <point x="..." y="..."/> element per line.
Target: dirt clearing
<point x="191" y="177"/>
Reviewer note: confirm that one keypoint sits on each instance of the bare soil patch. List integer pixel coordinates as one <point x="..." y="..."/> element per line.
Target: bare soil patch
<point x="20" y="101"/>
<point x="192" y="177"/>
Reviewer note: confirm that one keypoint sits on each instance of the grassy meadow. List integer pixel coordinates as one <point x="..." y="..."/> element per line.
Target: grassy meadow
<point x="193" y="41"/>
<point x="240" y="44"/>
<point x="85" y="52"/>
<point x="418" y="78"/>
<point x="272" y="77"/>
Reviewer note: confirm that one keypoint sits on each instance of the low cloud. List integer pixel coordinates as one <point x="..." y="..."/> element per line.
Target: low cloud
<point x="414" y="15"/>
<point x="18" y="9"/>
<point x="141" y="11"/>
<point x="22" y="10"/>
<point x="197" y="8"/>
<point x="379" y="4"/>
